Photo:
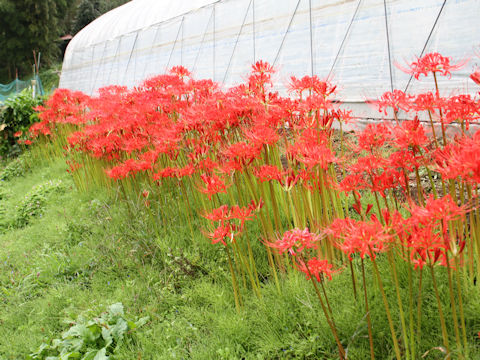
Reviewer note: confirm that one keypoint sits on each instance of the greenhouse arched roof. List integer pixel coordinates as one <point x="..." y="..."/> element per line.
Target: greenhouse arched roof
<point x="355" y="43"/>
<point x="133" y="16"/>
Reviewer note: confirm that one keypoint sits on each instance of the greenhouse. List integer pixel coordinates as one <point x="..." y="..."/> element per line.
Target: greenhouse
<point x="356" y="44"/>
<point x="241" y="179"/>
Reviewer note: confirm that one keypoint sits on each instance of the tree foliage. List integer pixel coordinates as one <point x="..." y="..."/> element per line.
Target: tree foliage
<point x="29" y="25"/>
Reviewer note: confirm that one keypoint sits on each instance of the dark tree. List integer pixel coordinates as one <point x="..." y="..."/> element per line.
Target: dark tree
<point x="28" y="25"/>
<point x="89" y="10"/>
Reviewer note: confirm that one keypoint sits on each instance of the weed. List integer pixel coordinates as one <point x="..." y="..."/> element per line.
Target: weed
<point x="96" y="338"/>
<point x="15" y="168"/>
<point x="34" y="202"/>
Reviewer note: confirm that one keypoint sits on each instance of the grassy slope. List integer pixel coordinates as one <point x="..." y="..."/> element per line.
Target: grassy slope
<point x="85" y="252"/>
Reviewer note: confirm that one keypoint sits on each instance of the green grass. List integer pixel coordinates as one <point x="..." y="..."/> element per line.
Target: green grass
<point x="84" y="252"/>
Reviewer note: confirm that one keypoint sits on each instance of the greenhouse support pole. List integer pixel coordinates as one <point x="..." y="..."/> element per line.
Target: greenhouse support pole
<point x="236" y="41"/>
<point x="130" y="58"/>
<point x="91" y="62"/>
<point x="254" y="35"/>
<point x="151" y="52"/>
<point x="98" y="69"/>
<point x="115" y="58"/>
<point x="344" y="38"/>
<point x="181" y="43"/>
<point x="428" y="39"/>
<point x="388" y="45"/>
<point x="16" y="81"/>
<point x="286" y="32"/>
<point x="203" y="40"/>
<point x="174" y="44"/>
<point x="214" y="6"/>
<point x="33" y="82"/>
<point x="311" y="37"/>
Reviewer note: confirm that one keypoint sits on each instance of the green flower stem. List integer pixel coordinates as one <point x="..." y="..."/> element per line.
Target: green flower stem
<point x="452" y="301"/>
<point x="460" y="306"/>
<point x="341" y="350"/>
<point x="387" y="309"/>
<point x="236" y="293"/>
<point x="440" y="311"/>
<point x="393" y="267"/>
<point x="419" y="306"/>
<point x="369" y="321"/>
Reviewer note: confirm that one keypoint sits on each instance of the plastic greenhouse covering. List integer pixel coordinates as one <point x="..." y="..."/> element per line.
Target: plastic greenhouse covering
<point x="355" y="43"/>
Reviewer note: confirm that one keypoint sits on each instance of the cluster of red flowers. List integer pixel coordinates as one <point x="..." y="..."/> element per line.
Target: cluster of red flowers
<point x="173" y="128"/>
<point x="230" y="221"/>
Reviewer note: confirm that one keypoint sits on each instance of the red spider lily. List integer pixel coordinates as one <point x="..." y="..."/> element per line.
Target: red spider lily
<point x="242" y="153"/>
<point x="396" y="100"/>
<point x="268" y="173"/>
<point x="222" y="233"/>
<point x="475" y="76"/>
<point x="437" y="210"/>
<point x="180" y="71"/>
<point x="409" y="134"/>
<point x="213" y="185"/>
<point x="428" y="243"/>
<point x="317" y="268"/>
<point x="295" y="241"/>
<point x="312" y="104"/>
<point x="363" y="237"/>
<point x="311" y="83"/>
<point x="388" y="179"/>
<point x="312" y="149"/>
<point x="39" y="128"/>
<point x="129" y="167"/>
<point x="373" y="137"/>
<point x="372" y="172"/>
<point x="426" y="232"/>
<point x="262" y="67"/>
<point x="261" y="76"/>
<point x="64" y="106"/>
<point x="261" y="135"/>
<point x="207" y="165"/>
<point x="427" y="102"/>
<point x="404" y="159"/>
<point x="178" y="173"/>
<point x="73" y="166"/>
<point x="225" y="213"/>
<point x="460" y="159"/>
<point x="289" y="179"/>
<point x="461" y="108"/>
<point x="368" y="164"/>
<point x="358" y="207"/>
<point x="426" y="247"/>
<point x="432" y="63"/>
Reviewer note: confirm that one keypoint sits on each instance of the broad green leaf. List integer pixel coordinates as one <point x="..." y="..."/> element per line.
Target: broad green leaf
<point x="81" y="331"/>
<point x="101" y="355"/>
<point x="115" y="311"/>
<point x="119" y="330"/>
<point x="142" y="321"/>
<point x="90" y="355"/>
<point x="107" y="336"/>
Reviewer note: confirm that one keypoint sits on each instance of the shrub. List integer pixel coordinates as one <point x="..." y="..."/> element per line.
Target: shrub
<point x="15" y="168"/>
<point x="16" y="116"/>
